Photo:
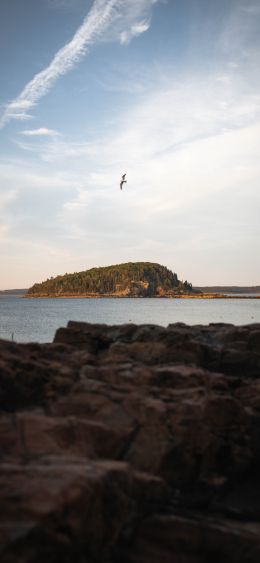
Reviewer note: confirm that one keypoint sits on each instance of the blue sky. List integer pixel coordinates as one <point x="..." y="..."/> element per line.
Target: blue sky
<point x="164" y="90"/>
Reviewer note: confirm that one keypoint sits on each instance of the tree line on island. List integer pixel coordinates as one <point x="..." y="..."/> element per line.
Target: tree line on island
<point x="133" y="279"/>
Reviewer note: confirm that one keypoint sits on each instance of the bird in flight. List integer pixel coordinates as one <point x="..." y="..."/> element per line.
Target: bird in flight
<point x="123" y="181"/>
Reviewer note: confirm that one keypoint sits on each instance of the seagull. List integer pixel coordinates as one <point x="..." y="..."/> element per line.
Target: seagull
<point x="123" y="181"/>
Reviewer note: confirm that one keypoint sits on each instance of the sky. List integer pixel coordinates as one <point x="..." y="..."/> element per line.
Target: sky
<point x="166" y="91"/>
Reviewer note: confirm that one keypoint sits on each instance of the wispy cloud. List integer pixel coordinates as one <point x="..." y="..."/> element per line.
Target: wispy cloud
<point x="163" y="121"/>
<point x="99" y="17"/>
<point x="134" y="31"/>
<point x="41" y="132"/>
<point x="20" y="116"/>
<point x="102" y="14"/>
<point x="254" y="9"/>
<point x="189" y="144"/>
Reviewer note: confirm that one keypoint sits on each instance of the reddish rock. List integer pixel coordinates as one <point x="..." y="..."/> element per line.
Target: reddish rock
<point x="131" y="443"/>
<point x="194" y="538"/>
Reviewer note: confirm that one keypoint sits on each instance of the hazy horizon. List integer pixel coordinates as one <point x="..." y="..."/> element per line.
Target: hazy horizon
<point x="164" y="91"/>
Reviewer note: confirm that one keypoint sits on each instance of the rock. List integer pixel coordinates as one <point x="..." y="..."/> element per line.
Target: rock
<point x="67" y="509"/>
<point x="131" y="443"/>
<point x="194" y="539"/>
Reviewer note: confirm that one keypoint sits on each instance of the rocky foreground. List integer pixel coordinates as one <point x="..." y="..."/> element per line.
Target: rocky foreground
<point x="131" y="444"/>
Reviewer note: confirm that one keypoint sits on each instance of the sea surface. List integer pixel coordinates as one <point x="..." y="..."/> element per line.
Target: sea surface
<point x="36" y="320"/>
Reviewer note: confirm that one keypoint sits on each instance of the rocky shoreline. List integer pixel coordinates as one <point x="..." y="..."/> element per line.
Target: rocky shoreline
<point x="120" y="296"/>
<point x="132" y="444"/>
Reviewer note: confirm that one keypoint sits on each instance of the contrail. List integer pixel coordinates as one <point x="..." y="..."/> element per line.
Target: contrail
<point x="98" y="19"/>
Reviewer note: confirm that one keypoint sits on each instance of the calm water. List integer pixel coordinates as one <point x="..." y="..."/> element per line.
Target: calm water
<point x="31" y="320"/>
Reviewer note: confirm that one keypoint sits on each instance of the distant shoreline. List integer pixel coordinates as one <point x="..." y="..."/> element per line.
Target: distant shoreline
<point x="238" y="293"/>
<point x="17" y="292"/>
<point x="199" y="292"/>
<point x="110" y="296"/>
<point x="228" y="289"/>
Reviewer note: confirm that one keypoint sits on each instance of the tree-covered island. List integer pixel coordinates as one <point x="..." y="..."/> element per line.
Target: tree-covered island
<point x="133" y="279"/>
